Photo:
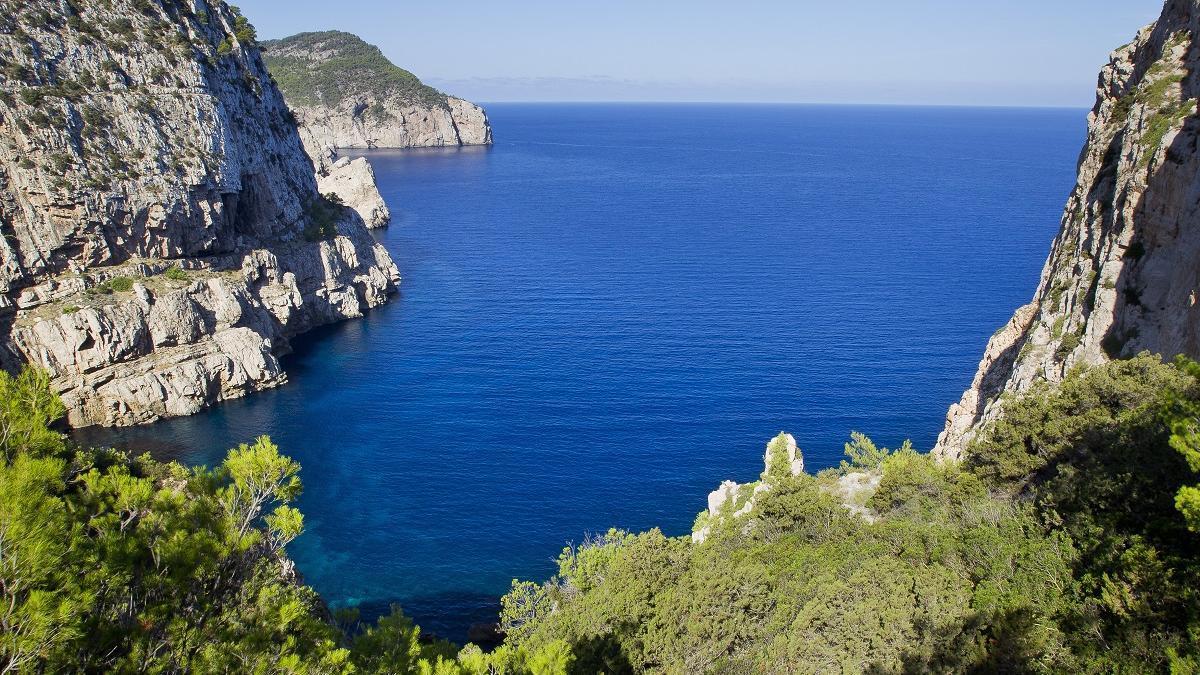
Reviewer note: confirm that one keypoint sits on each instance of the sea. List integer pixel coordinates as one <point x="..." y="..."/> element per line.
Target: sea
<point x="616" y="306"/>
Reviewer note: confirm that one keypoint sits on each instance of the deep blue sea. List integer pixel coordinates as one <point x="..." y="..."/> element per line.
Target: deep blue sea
<point x="614" y="309"/>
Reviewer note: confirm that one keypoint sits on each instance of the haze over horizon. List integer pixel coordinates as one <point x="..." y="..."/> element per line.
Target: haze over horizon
<point x="1022" y="53"/>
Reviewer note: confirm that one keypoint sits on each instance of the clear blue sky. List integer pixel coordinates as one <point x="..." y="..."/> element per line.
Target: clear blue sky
<point x="1007" y="52"/>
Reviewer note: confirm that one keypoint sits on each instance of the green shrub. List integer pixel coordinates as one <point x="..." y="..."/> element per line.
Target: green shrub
<point x="93" y="116"/>
<point x="61" y="162"/>
<point x="121" y="284"/>
<point x="1069" y="343"/>
<point x="202" y="552"/>
<point x="1056" y="547"/>
<point x="1056" y="293"/>
<point x="225" y="47"/>
<point x="243" y="31"/>
<point x="122" y="27"/>
<point x="70" y="309"/>
<point x="355" y="67"/>
<point x="32" y="95"/>
<point x="322" y="214"/>
<point x="16" y="72"/>
<point x="176" y="273"/>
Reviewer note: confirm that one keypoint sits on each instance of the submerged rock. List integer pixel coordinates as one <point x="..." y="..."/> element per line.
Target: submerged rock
<point x="486" y="634"/>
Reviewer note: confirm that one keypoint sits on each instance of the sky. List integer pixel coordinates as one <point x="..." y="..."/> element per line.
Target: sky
<point x="936" y="52"/>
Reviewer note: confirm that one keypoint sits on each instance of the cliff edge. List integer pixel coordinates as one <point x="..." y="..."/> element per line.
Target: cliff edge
<point x="163" y="231"/>
<point x="346" y="94"/>
<point x="1124" y="271"/>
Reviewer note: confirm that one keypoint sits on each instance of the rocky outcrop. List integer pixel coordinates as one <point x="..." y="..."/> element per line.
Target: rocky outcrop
<point x="164" y="233"/>
<point x="346" y="94"/>
<point x="1123" y="274"/>
<point x="733" y="500"/>
<point x="353" y="182"/>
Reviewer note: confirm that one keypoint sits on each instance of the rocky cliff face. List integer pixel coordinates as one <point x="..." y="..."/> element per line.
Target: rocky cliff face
<point x="163" y="231"/>
<point x="353" y="182"/>
<point x="346" y="94"/>
<point x="1124" y="271"/>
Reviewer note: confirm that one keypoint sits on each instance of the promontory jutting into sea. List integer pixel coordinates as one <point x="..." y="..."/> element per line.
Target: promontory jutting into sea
<point x="310" y="366"/>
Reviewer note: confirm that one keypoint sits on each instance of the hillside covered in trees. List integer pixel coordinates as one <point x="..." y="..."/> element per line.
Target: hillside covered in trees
<point x="1061" y="543"/>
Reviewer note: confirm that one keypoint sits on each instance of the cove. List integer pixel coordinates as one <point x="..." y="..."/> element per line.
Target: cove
<point x="615" y="307"/>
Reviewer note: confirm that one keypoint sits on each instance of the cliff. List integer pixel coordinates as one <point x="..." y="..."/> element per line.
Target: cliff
<point x="346" y="94"/>
<point x="1124" y="271"/>
<point x="164" y="234"/>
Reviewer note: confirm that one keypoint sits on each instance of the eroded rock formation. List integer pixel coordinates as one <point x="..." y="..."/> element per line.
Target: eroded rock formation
<point x="733" y="500"/>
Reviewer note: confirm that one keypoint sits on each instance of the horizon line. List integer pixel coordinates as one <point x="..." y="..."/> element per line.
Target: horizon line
<point x="1037" y="106"/>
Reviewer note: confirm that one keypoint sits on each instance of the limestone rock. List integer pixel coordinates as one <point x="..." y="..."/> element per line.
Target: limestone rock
<point x="470" y="122"/>
<point x="153" y="149"/>
<point x="737" y="500"/>
<point x="346" y="94"/>
<point x="717" y="498"/>
<point x="1123" y="273"/>
<point x="353" y="181"/>
<point x="855" y="488"/>
<point x="784" y="447"/>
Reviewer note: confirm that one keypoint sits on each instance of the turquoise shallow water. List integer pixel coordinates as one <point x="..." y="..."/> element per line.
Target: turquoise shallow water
<point x="615" y="307"/>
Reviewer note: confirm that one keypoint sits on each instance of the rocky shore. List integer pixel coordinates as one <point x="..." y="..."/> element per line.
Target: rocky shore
<point x="165" y="234"/>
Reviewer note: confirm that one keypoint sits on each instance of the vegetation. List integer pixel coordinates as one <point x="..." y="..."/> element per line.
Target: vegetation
<point x="1162" y="96"/>
<point x="322" y="215"/>
<point x="112" y="563"/>
<point x="1065" y="541"/>
<point x="1069" y="343"/>
<point x="1058" y="545"/>
<point x="243" y="31"/>
<point x="176" y="273"/>
<point x="355" y="68"/>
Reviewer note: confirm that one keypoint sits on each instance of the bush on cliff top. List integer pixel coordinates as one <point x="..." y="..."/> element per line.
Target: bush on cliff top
<point x="355" y="68"/>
